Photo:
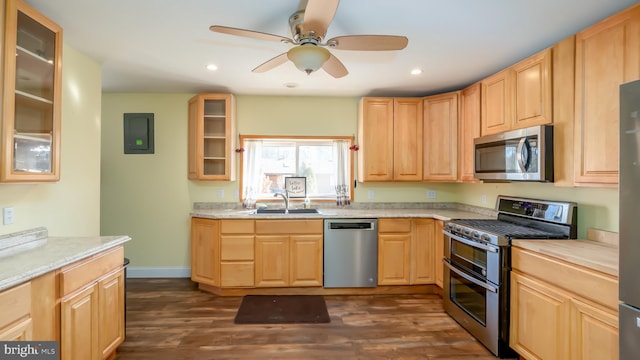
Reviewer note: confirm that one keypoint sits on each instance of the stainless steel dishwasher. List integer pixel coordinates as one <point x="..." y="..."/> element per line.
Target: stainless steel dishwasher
<point x="350" y="253"/>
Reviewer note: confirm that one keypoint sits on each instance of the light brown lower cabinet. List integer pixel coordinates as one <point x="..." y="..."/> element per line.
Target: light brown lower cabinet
<point x="92" y="307"/>
<point x="288" y="253"/>
<point x="15" y="313"/>
<point x="554" y="316"/>
<point x="406" y="251"/>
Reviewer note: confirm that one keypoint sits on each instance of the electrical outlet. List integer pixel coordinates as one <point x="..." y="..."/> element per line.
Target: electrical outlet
<point x="431" y="194"/>
<point x="371" y="194"/>
<point x="7" y="216"/>
<point x="483" y="198"/>
<point x="220" y="193"/>
<point x="236" y="193"/>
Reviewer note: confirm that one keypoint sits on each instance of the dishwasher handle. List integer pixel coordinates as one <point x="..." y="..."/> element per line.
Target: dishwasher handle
<point x="354" y="225"/>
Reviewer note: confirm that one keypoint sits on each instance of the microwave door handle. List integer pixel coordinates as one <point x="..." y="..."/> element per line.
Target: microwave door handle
<point x="470" y="278"/>
<point x="523" y="161"/>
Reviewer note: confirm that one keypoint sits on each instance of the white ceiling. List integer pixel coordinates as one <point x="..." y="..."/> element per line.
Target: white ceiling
<point x="164" y="45"/>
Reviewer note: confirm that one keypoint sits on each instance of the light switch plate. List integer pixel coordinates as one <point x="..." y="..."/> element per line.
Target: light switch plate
<point x="220" y="193"/>
<point x="431" y="194"/>
<point x="7" y="216"/>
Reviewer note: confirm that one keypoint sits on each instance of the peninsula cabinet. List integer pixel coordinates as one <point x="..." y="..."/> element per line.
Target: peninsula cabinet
<point x="390" y="139"/>
<point x="607" y="55"/>
<point x="92" y="306"/>
<point x="211" y="152"/>
<point x="440" y="146"/>
<point x="288" y="253"/>
<point x="555" y="312"/>
<point x="406" y="251"/>
<point x="519" y="96"/>
<point x="468" y="129"/>
<point x="15" y="315"/>
<point x="31" y="129"/>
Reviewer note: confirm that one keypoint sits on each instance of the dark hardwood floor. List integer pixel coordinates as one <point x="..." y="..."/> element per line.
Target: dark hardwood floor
<point x="172" y="319"/>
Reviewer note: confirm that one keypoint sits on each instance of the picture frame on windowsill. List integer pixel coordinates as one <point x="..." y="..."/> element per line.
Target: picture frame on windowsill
<point x="296" y="187"/>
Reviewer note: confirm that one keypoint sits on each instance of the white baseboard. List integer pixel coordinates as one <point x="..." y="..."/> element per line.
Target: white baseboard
<point x="158" y="272"/>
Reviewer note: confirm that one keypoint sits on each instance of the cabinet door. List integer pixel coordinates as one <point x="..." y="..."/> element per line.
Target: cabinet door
<point x="439" y="251"/>
<point x="539" y="327"/>
<point x="606" y="56"/>
<point x="594" y="332"/>
<point x="79" y="326"/>
<point x="272" y="261"/>
<point x="212" y="137"/>
<point x="306" y="260"/>
<point x="20" y="331"/>
<point x="111" y="312"/>
<point x="394" y="251"/>
<point x="441" y="137"/>
<point x="423" y="252"/>
<point x="468" y="130"/>
<point x="205" y="251"/>
<point x="375" y="137"/>
<point x="31" y="97"/>
<point x="497" y="103"/>
<point x="407" y="139"/>
<point x="532" y="78"/>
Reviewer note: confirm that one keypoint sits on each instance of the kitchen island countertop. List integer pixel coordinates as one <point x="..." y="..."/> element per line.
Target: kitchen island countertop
<point x="43" y="255"/>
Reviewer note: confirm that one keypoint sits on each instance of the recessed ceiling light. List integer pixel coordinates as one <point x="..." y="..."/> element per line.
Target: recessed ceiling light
<point x="291" y="85"/>
<point x="212" y="67"/>
<point x="416" y="71"/>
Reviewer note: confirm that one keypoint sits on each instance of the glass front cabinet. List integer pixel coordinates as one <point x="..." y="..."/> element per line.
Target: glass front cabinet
<point x="31" y="96"/>
<point x="212" y="137"/>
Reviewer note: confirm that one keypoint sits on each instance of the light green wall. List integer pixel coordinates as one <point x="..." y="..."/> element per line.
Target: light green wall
<point x="149" y="196"/>
<point x="70" y="207"/>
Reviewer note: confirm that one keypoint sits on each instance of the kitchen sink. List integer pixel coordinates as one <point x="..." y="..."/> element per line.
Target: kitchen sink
<point x="291" y="211"/>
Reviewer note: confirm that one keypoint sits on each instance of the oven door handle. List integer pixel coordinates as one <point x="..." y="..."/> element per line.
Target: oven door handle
<point x="469" y="277"/>
<point x="472" y="243"/>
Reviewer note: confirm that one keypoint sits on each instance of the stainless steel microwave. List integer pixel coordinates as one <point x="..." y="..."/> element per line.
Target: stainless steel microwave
<point x="517" y="155"/>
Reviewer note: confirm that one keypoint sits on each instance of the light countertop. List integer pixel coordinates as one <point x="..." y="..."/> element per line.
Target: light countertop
<point x="41" y="255"/>
<point x="595" y="255"/>
<point x="333" y="213"/>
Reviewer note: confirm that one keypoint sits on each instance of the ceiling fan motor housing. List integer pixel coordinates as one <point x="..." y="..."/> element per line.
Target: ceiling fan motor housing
<point x="300" y="36"/>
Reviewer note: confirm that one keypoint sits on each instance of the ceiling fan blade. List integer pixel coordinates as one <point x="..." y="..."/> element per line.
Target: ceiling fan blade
<point x="249" y="33"/>
<point x="271" y="63"/>
<point x="369" y="42"/>
<point x="318" y="16"/>
<point x="334" y="67"/>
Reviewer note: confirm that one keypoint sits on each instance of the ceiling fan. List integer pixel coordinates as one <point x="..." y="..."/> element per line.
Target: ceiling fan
<point x="308" y="28"/>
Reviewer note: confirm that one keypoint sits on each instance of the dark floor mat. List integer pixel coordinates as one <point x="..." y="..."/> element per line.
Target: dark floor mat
<point x="282" y="309"/>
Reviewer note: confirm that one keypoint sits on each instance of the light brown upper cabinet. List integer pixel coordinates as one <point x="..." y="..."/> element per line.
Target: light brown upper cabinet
<point x="519" y="96"/>
<point x="607" y="55"/>
<point x="468" y="129"/>
<point x="390" y="139"/>
<point x="212" y="137"/>
<point x="440" y="147"/>
<point x="31" y="99"/>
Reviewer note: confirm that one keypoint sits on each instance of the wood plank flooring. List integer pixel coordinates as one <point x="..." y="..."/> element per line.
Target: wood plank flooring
<point x="172" y="319"/>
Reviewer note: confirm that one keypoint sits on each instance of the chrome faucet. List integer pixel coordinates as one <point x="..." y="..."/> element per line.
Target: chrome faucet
<point x="285" y="196"/>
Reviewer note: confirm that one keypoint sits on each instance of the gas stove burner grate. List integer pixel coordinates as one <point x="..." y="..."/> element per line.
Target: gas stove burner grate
<point x="507" y="229"/>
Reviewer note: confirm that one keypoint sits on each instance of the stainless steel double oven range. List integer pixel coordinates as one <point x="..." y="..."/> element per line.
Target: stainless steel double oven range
<point x="478" y="260"/>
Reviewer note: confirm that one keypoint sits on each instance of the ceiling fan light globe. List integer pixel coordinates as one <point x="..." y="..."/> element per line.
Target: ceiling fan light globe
<point x="308" y="58"/>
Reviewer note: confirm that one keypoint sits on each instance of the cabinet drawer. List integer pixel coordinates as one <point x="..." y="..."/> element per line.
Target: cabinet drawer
<point x="237" y="274"/>
<point x="289" y="226"/>
<point x="74" y="276"/>
<point x="237" y="226"/>
<point x="394" y="225"/>
<point x="236" y="247"/>
<point x="589" y="284"/>
<point x="16" y="303"/>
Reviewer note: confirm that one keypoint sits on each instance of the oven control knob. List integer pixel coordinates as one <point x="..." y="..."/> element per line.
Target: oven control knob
<point x="485" y="237"/>
<point x="466" y="232"/>
<point x="475" y="235"/>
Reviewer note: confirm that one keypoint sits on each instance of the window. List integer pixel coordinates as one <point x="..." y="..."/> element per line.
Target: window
<point x="325" y="163"/>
